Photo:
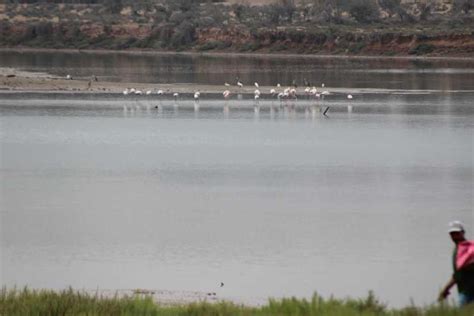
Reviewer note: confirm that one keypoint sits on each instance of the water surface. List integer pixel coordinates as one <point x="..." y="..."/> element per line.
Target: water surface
<point x="271" y="207"/>
<point x="277" y="203"/>
<point x="382" y="73"/>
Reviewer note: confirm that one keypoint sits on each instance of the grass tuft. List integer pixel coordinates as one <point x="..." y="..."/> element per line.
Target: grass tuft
<point x="71" y="302"/>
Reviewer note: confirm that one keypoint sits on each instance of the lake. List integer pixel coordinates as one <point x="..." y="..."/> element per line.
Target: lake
<point x="275" y="203"/>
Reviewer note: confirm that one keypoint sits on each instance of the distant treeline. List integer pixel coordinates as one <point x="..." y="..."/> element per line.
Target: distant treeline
<point x="308" y="26"/>
<point x="99" y="1"/>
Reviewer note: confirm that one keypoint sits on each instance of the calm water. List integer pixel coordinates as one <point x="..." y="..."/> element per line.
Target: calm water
<point x="272" y="205"/>
<point x="349" y="73"/>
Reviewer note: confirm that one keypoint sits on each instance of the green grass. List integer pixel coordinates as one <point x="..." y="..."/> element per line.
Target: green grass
<point x="70" y="302"/>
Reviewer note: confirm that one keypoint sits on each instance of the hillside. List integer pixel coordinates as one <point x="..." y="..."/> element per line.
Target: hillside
<point x="378" y="27"/>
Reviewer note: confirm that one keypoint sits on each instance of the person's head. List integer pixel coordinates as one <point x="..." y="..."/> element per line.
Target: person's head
<point x="456" y="231"/>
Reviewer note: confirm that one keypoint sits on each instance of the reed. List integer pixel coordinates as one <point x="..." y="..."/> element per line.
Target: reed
<point x="71" y="302"/>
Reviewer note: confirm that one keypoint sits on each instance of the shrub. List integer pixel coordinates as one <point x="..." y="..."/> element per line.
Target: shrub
<point x="279" y="47"/>
<point x="249" y="47"/>
<point x="364" y="11"/>
<point x="422" y="49"/>
<point x="214" y="45"/>
<point x="357" y="47"/>
<point x="184" y="35"/>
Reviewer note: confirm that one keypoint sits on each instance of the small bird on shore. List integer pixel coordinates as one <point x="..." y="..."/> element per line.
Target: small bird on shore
<point x="159" y="92"/>
<point x="349" y="96"/>
<point x="256" y="84"/>
<point x="226" y="84"/>
<point x="197" y="94"/>
<point x="148" y="92"/>
<point x="222" y="284"/>
<point x="69" y="77"/>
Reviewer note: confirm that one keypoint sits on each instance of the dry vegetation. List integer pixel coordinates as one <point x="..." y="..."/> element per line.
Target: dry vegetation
<point x="389" y="27"/>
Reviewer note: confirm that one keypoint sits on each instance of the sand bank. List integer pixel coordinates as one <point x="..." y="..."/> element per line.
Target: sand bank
<point x="23" y="83"/>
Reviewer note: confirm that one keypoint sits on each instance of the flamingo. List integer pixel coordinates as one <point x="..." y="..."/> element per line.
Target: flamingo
<point x="324" y="93"/>
<point x="349" y="107"/>
<point x="196" y="100"/>
<point x="293" y="93"/>
<point x="307" y="91"/>
<point x="257" y="95"/>
<point x="283" y="95"/>
<point x="226" y="94"/>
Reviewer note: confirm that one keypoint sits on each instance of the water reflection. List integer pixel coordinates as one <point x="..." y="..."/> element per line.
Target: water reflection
<point x="215" y="70"/>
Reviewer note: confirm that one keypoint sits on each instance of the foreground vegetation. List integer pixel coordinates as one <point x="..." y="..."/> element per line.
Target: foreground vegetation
<point x="70" y="302"/>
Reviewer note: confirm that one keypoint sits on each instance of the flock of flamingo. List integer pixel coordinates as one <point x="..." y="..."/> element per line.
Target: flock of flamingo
<point x="289" y="93"/>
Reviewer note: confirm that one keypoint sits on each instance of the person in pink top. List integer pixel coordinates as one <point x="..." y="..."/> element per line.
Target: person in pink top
<point x="463" y="266"/>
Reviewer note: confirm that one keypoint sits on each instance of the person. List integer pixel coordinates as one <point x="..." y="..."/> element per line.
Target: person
<point x="463" y="266"/>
